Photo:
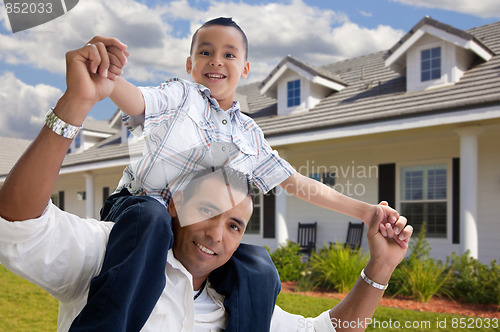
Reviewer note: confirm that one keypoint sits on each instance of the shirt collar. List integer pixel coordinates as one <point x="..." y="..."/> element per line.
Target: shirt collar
<point x="233" y="111"/>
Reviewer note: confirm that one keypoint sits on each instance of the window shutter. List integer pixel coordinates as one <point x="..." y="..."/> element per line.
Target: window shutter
<point x="387" y="183"/>
<point x="455" y="201"/>
<point x="61" y="200"/>
<point x="269" y="214"/>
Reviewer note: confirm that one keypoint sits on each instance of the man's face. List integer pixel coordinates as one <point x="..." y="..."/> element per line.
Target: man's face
<point x="216" y="218"/>
<point x="218" y="61"/>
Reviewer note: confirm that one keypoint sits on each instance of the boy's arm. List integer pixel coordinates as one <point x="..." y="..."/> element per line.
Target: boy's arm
<point x="128" y="97"/>
<point x="322" y="195"/>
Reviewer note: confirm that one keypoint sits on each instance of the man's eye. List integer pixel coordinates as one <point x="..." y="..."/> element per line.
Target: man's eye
<point x="235" y="227"/>
<point x="206" y="211"/>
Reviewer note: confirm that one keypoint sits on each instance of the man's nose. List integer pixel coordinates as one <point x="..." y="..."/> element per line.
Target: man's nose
<point x="215" y="230"/>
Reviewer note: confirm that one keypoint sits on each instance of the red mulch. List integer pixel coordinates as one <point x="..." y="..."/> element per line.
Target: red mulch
<point x="441" y="305"/>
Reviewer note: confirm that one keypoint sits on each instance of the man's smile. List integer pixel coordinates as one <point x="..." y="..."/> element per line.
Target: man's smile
<point x="205" y="249"/>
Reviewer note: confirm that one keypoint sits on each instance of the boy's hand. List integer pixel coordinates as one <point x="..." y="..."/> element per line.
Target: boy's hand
<point x="391" y="225"/>
<point x="90" y="73"/>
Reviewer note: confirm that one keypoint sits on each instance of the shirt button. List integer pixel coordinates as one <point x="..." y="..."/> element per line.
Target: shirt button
<point x="223" y="148"/>
<point x="224" y="121"/>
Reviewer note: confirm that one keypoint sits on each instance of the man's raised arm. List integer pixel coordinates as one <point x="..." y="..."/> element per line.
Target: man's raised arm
<point x="90" y="75"/>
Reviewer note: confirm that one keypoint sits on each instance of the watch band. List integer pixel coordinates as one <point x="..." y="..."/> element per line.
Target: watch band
<point x="371" y="282"/>
<point x="60" y="127"/>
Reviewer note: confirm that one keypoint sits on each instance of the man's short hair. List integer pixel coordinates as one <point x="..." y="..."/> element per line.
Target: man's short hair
<point x="235" y="179"/>
<point x="224" y="21"/>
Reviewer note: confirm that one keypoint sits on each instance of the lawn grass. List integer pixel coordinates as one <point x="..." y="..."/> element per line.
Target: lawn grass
<point x="386" y="317"/>
<point x="26" y="307"/>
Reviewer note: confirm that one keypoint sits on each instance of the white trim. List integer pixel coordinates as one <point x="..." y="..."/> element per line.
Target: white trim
<point x="403" y="48"/>
<point x="85" y="167"/>
<point x="449" y="193"/>
<point x="451" y="117"/>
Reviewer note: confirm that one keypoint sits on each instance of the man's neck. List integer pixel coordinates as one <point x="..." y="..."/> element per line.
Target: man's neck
<point x="198" y="282"/>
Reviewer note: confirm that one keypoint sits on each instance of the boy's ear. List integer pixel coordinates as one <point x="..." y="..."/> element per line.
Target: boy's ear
<point x="246" y="70"/>
<point x="189" y="65"/>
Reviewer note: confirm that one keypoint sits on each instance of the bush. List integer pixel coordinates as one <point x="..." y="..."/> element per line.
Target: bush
<point x="473" y="281"/>
<point x="288" y="261"/>
<point x="338" y="267"/>
<point x="419" y="276"/>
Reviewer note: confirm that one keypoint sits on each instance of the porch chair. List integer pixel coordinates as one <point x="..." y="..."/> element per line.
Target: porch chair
<point x="306" y="237"/>
<point x="354" y="235"/>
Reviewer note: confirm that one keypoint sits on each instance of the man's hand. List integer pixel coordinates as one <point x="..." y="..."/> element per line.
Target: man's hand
<point x="90" y="74"/>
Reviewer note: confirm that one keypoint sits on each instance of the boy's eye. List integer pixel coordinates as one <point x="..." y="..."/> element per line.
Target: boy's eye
<point x="205" y="53"/>
<point x="229" y="55"/>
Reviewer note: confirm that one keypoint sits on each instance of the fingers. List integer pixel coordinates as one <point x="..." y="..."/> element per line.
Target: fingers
<point x="106" y="57"/>
<point x="400" y="233"/>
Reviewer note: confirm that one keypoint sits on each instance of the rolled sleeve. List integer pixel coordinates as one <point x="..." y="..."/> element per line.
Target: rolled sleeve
<point x="271" y="169"/>
<point x="57" y="251"/>
<point x="283" y="321"/>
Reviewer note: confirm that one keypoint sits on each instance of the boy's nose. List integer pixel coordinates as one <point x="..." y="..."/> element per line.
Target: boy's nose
<point x="216" y="62"/>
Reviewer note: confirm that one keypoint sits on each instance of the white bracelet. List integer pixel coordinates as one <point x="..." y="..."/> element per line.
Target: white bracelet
<point x="60" y="127"/>
<point x="371" y="282"/>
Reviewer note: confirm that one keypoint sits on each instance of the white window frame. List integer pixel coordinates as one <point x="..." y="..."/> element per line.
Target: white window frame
<point x="449" y="196"/>
<point x="259" y="234"/>
<point x="435" y="82"/>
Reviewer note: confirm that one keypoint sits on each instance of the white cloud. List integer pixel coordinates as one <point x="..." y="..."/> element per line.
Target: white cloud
<point x="24" y="106"/>
<point x="481" y="8"/>
<point x="274" y="30"/>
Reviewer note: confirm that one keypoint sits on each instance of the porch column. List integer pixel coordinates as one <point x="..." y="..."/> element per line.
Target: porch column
<point x="89" y="192"/>
<point x="468" y="189"/>
<point x="281" y="207"/>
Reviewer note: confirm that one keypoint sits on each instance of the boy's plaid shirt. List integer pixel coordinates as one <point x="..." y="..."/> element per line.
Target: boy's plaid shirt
<point x="186" y="131"/>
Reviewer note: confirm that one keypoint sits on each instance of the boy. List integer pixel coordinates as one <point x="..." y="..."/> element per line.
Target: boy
<point x="191" y="126"/>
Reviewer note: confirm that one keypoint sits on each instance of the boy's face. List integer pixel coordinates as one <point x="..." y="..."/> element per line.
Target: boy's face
<point x="218" y="61"/>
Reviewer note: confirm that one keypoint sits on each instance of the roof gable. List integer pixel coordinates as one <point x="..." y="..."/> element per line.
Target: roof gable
<point x="315" y="75"/>
<point x="396" y="56"/>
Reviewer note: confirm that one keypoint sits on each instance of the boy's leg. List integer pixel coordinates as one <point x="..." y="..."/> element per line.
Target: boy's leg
<point x="250" y="283"/>
<point x="132" y="278"/>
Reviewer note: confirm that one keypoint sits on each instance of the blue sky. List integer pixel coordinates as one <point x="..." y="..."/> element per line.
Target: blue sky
<point x="32" y="68"/>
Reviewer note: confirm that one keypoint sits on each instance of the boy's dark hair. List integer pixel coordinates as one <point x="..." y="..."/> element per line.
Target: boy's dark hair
<point x="224" y="21"/>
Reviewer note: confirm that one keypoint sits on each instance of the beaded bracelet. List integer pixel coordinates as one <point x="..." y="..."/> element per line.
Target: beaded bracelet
<point x="59" y="126"/>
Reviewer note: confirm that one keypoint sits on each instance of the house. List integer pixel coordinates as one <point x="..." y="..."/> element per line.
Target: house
<point x="417" y="125"/>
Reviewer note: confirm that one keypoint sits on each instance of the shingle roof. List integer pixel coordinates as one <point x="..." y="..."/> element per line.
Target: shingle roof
<point x="376" y="93"/>
<point x="10" y="150"/>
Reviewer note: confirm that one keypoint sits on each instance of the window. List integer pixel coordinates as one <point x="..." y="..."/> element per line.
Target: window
<point x="424" y="198"/>
<point x="253" y="226"/>
<point x="430" y="64"/>
<point x="293" y="93"/>
<point x="327" y="178"/>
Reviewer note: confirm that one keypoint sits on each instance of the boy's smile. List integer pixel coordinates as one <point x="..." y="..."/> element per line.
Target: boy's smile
<point x="218" y="61"/>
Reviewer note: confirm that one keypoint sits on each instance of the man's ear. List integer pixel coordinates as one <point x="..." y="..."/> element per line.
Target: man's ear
<point x="246" y="70"/>
<point x="177" y="198"/>
<point x="189" y="65"/>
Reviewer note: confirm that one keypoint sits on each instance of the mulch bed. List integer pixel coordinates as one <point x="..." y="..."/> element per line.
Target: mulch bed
<point x="436" y="304"/>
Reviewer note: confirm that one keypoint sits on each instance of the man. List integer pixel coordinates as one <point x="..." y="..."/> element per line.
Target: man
<point x="67" y="276"/>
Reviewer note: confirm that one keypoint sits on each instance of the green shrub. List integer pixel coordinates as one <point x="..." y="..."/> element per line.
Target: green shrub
<point x="288" y="261"/>
<point x="419" y="276"/>
<point x="338" y="267"/>
<point x="473" y="281"/>
<point x="307" y="282"/>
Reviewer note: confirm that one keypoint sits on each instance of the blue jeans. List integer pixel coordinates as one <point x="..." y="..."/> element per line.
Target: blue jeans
<point x="132" y="278"/>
